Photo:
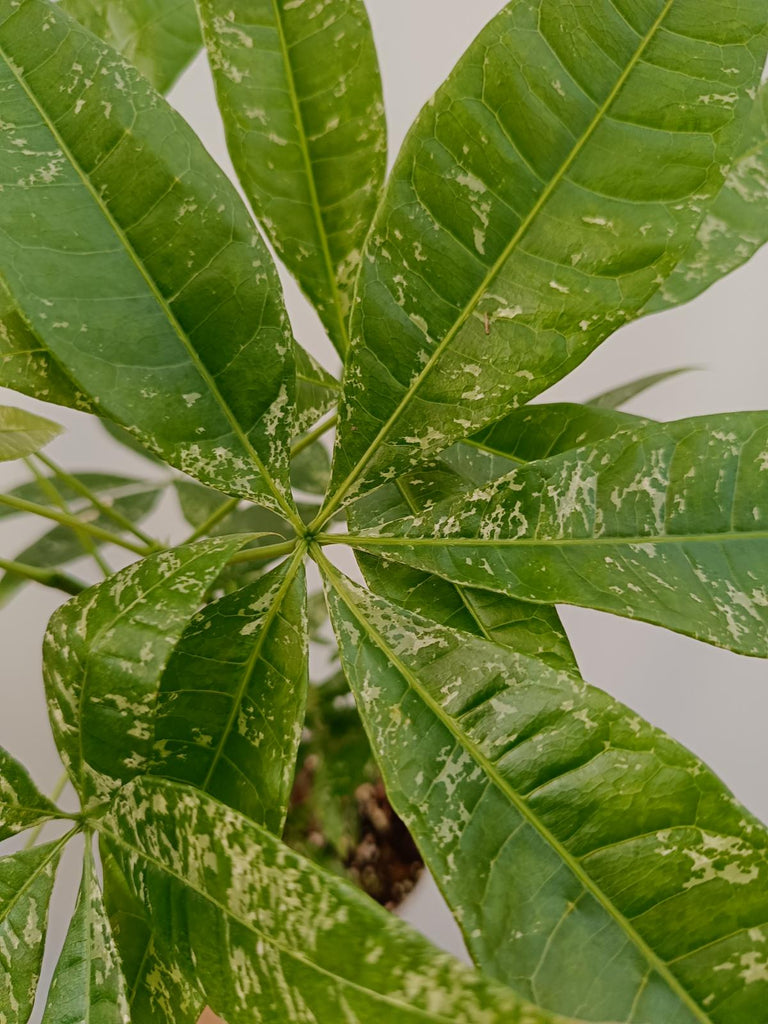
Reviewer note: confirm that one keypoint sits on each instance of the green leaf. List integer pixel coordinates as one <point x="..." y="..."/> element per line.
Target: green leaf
<point x="88" y="986"/>
<point x="317" y="391"/>
<point x="21" y="803"/>
<point x="617" y="397"/>
<point x="300" y="94"/>
<point x="527" y="628"/>
<point x="591" y="861"/>
<point x="157" y="991"/>
<point x="736" y="225"/>
<point x="110" y="488"/>
<point x="311" y="469"/>
<point x="159" y="37"/>
<point x="201" y="367"/>
<point x="103" y="656"/>
<point x="27" y="366"/>
<point x="22" y="433"/>
<point x="232" y="698"/>
<point x="26" y="881"/>
<point x="265" y="931"/>
<point x="663" y="522"/>
<point x="62" y="545"/>
<point x="540" y="199"/>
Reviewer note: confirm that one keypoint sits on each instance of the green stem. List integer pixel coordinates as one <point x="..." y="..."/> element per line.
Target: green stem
<point x="267" y="553"/>
<point x="72" y="521"/>
<point x="58" y="499"/>
<point x="314" y="434"/>
<point x="111" y="513"/>
<point x="213" y="520"/>
<point x="58" y="789"/>
<point x="47" y="577"/>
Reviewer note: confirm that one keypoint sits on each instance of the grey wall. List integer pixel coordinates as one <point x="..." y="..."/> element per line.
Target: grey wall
<point x="715" y="702"/>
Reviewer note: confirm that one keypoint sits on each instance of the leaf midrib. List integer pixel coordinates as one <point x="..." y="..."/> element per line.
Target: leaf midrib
<point x="362" y="541"/>
<point x="520" y="805"/>
<point x="498" y="264"/>
<point x="157" y="294"/>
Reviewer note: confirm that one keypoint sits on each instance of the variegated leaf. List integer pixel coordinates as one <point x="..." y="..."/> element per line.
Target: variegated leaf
<point x="22" y="805"/>
<point x="23" y="433"/>
<point x="592" y="863"/>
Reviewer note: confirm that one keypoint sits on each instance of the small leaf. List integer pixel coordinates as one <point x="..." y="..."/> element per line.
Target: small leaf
<point x="736" y="225"/>
<point x="106" y="486"/>
<point x="21" y="804"/>
<point x="265" y="931"/>
<point x="232" y="697"/>
<point x="317" y="391"/>
<point x="22" y="433"/>
<point x="201" y="369"/>
<point x="26" y="882"/>
<point x="88" y="986"/>
<point x="301" y="100"/>
<point x="104" y="653"/>
<point x="555" y="180"/>
<point x="160" y="38"/>
<point x="663" y="522"/>
<point x="591" y="861"/>
<point x="617" y="397"/>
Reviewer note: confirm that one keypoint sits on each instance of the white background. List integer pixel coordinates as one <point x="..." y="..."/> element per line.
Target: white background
<point x="711" y="700"/>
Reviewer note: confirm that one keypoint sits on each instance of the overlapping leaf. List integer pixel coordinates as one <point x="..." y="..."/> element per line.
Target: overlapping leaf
<point x="104" y="653"/>
<point x="231" y="700"/>
<point x="267" y="932"/>
<point x="21" y="803"/>
<point x="88" y="986"/>
<point x="538" y="202"/>
<point x="22" y="433"/>
<point x="735" y="227"/>
<point x="201" y="367"/>
<point x="593" y="863"/>
<point x="26" y="882"/>
<point x="158" y="36"/>
<point x="663" y="522"/>
<point x="299" y="90"/>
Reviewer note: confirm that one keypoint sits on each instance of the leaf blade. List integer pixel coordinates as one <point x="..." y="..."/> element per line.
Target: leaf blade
<point x="211" y="327"/>
<point x="517" y="782"/>
<point x="492" y="201"/>
<point x="22" y="433"/>
<point x="306" y="132"/>
<point x="22" y="805"/>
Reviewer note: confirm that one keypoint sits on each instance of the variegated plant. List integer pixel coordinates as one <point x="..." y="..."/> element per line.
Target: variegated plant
<point x="584" y="164"/>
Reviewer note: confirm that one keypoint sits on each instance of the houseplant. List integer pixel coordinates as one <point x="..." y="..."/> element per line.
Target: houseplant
<point x="568" y="177"/>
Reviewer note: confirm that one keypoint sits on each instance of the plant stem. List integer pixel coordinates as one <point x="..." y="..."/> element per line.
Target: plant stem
<point x="58" y="498"/>
<point x="314" y="434"/>
<point x="214" y="519"/>
<point x="72" y="521"/>
<point x="267" y="553"/>
<point x="111" y="513"/>
<point x="47" y="577"/>
<point x="58" y="789"/>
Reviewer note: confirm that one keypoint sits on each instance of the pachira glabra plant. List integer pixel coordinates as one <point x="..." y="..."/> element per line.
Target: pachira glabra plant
<point x="583" y="165"/>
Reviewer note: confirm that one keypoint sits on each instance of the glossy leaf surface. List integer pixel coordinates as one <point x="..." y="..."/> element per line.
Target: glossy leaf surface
<point x="88" y="986"/>
<point x="201" y="367"/>
<point x="103" y="656"/>
<point x="663" y="522"/>
<point x="592" y="862"/>
<point x="538" y="202"/>
<point x="22" y="433"/>
<point x="26" y="882"/>
<point x="22" y="805"/>
<point x="232" y="697"/>
<point x="269" y="930"/>
<point x="159" y="36"/>
<point x="299" y="90"/>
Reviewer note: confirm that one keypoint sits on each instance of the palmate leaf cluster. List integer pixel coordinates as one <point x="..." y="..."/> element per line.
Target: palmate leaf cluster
<point x="583" y="165"/>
